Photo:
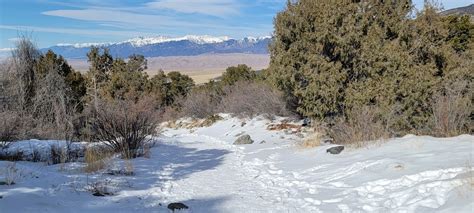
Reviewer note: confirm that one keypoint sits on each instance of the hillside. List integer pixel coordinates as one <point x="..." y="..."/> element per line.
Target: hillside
<point x="467" y="10"/>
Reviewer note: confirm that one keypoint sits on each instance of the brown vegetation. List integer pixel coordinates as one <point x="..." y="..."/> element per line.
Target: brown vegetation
<point x="451" y="114"/>
<point x="251" y="99"/>
<point x="125" y="126"/>
<point x="97" y="158"/>
<point x="363" y="126"/>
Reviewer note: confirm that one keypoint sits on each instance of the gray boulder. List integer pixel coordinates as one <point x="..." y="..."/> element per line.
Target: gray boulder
<point x="177" y="206"/>
<point x="335" y="150"/>
<point x="244" y="139"/>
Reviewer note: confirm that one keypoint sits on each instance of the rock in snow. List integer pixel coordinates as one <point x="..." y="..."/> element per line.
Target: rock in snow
<point x="177" y="206"/>
<point x="335" y="150"/>
<point x="244" y="139"/>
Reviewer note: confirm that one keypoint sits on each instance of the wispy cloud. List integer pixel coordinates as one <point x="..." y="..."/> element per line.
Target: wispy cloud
<point x="14" y="39"/>
<point x="219" y="8"/>
<point x="73" y="31"/>
<point x="131" y="20"/>
<point x="115" y="16"/>
<point x="6" y="49"/>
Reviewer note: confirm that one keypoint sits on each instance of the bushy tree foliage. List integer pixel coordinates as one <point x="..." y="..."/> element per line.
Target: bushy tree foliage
<point x="460" y="31"/>
<point x="168" y="88"/>
<point x="100" y="66"/>
<point x="177" y="85"/>
<point x="119" y="79"/>
<point x="240" y="72"/>
<point x="127" y="79"/>
<point x="334" y="57"/>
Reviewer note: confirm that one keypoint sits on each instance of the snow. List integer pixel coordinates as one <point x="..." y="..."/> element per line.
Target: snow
<point x="201" y="168"/>
<point x="84" y="45"/>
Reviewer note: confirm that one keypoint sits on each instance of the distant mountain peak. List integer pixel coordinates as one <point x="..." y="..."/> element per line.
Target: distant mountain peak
<point x="143" y="41"/>
<point x="170" y="46"/>
<point x="205" y="39"/>
<point x="467" y="10"/>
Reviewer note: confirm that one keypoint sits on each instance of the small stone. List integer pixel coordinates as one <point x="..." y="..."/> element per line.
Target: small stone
<point x="98" y="194"/>
<point x="306" y="122"/>
<point x="177" y="206"/>
<point x="335" y="150"/>
<point x="244" y="139"/>
<point x="262" y="142"/>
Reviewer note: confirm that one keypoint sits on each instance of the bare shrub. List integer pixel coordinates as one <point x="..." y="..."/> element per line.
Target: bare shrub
<point x="171" y="114"/>
<point x="53" y="108"/>
<point x="16" y="155"/>
<point x="198" y="104"/>
<point x="251" y="98"/>
<point x="64" y="154"/>
<point x="451" y="113"/>
<point x="124" y="126"/>
<point x="24" y="58"/>
<point x="360" y="126"/>
<point x="9" y="128"/>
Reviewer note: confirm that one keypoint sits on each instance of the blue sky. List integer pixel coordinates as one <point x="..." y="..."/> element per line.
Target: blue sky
<point x="53" y="21"/>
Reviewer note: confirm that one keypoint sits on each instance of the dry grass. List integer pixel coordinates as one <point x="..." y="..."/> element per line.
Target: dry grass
<point x="283" y="126"/>
<point x="451" y="114"/>
<point x="210" y="120"/>
<point x="194" y="123"/>
<point x="128" y="168"/>
<point x="313" y="140"/>
<point x="11" y="174"/>
<point x="361" y="128"/>
<point x="317" y="136"/>
<point x="97" y="158"/>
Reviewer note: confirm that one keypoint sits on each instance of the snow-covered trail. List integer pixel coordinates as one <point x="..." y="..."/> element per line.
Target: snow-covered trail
<point x="201" y="168"/>
<point x="396" y="177"/>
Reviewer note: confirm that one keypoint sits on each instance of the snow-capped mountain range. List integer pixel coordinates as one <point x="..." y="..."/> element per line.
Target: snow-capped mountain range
<point x="167" y="46"/>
